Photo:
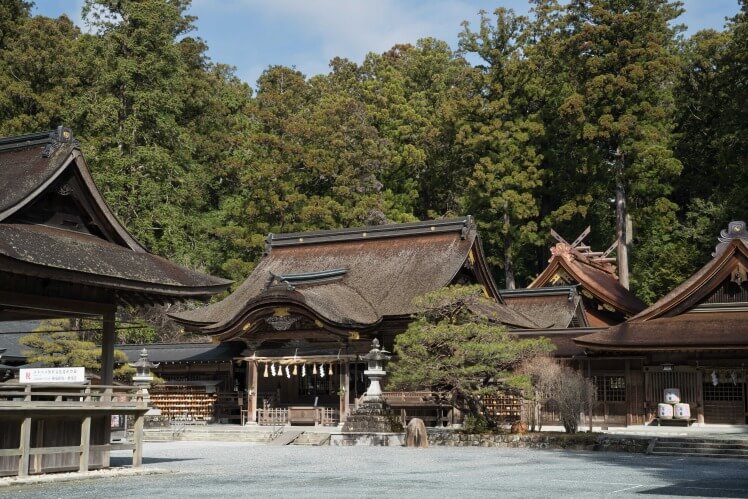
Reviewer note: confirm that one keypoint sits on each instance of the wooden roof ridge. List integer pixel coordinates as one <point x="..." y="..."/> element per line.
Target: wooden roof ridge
<point x="63" y="153"/>
<point x="33" y="166"/>
<point x="350" y="277"/>
<point x="550" y="306"/>
<point x="729" y="259"/>
<point x="462" y="225"/>
<point x="665" y="325"/>
<point x="600" y="284"/>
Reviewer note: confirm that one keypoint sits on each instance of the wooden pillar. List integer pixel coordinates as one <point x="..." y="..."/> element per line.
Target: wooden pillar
<point x="343" y="389"/>
<point x="137" y="452"/>
<point x="85" y="443"/>
<point x="700" y="397"/>
<point x="23" y="461"/>
<point x="591" y="399"/>
<point x="629" y="391"/>
<point x="107" y="348"/>
<point x="252" y="382"/>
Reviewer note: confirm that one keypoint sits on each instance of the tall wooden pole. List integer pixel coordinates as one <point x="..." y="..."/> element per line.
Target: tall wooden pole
<point x="252" y="383"/>
<point x="622" y="235"/>
<point x="343" y="389"/>
<point x="508" y="262"/>
<point x="107" y="348"/>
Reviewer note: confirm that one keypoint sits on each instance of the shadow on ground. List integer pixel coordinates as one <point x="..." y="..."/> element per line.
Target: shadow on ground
<point x="127" y="461"/>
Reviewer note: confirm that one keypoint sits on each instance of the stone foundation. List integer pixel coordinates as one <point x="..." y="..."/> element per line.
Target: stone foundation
<point x="372" y="416"/>
<point x="368" y="439"/>
<point x="578" y="441"/>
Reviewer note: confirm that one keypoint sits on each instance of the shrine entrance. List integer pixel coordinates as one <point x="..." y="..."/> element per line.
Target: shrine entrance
<point x="301" y="389"/>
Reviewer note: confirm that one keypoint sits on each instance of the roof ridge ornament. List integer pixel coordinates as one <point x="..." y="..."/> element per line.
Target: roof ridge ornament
<point x="735" y="230"/>
<point x="578" y="250"/>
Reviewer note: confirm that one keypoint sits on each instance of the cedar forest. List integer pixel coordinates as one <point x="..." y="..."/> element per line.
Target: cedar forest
<point x="556" y="114"/>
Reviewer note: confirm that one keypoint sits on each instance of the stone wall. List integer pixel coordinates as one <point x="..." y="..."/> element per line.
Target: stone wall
<point x="579" y="441"/>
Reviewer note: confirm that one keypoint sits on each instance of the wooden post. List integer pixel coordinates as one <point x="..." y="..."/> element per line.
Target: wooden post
<point x="107" y="371"/>
<point x="590" y="398"/>
<point x="622" y="234"/>
<point x="252" y="382"/>
<point x="700" y="397"/>
<point x="627" y="380"/>
<point x="23" y="461"/>
<point x="343" y="388"/>
<point x="107" y="348"/>
<point x="137" y="453"/>
<point x="85" y="443"/>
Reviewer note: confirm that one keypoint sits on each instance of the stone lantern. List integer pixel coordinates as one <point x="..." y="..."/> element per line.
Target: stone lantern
<point x="375" y="372"/>
<point x="143" y="378"/>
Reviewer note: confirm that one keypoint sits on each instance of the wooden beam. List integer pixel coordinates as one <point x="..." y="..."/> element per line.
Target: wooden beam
<point x="62" y="305"/>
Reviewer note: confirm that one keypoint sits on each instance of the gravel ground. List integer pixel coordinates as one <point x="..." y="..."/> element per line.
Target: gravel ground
<point x="215" y="469"/>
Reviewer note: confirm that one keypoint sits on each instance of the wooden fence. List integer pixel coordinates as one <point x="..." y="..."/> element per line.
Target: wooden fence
<point x="64" y="427"/>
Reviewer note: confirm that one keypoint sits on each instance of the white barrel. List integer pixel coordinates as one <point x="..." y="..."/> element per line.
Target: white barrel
<point x="672" y="395"/>
<point x="664" y="411"/>
<point x="682" y="411"/>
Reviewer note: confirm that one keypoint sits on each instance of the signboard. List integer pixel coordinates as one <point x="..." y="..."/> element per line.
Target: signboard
<point x="53" y="375"/>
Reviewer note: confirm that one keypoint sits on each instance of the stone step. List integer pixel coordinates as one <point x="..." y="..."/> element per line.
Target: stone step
<point x="696" y="440"/>
<point x="705" y="445"/>
<point x="287" y="437"/>
<point x="169" y="436"/>
<point x="700" y="450"/>
<point x="315" y="439"/>
<point x="688" y="454"/>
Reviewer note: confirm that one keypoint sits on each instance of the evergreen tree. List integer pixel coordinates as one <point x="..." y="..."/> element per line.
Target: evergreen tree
<point x="38" y="62"/>
<point x="457" y="354"/>
<point x="620" y="54"/>
<point x="500" y="132"/>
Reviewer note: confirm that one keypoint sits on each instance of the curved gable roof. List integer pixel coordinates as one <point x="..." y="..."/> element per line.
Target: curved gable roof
<point x="30" y="166"/>
<point x="667" y="324"/>
<point x="599" y="280"/>
<point x="381" y="270"/>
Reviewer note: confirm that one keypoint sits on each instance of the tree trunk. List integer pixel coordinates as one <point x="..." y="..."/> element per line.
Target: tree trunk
<point x="622" y="236"/>
<point x="508" y="263"/>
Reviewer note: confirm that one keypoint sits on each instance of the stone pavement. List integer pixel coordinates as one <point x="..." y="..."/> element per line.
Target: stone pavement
<point x="223" y="469"/>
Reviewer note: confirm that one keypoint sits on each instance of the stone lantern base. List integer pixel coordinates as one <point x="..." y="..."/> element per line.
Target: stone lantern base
<point x="373" y="416"/>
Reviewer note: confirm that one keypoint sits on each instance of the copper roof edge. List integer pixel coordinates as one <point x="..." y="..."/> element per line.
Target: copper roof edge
<point x="462" y="225"/>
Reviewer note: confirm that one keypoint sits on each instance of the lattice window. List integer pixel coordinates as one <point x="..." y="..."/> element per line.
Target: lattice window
<point x="312" y="384"/>
<point x="723" y="392"/>
<point x="610" y="388"/>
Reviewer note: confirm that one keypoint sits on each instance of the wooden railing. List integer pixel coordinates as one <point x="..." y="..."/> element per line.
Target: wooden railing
<point x="70" y="395"/>
<point x="329" y="416"/>
<point x="315" y="415"/>
<point x="272" y="416"/>
<point x="52" y="408"/>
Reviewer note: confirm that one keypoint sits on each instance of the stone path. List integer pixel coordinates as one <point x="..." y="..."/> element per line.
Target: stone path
<point x="213" y="469"/>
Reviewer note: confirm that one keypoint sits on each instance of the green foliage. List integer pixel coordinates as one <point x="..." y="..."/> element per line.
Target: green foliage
<point x="458" y="355"/>
<point x="500" y="132"/>
<point x="53" y="344"/>
<point x="533" y="123"/>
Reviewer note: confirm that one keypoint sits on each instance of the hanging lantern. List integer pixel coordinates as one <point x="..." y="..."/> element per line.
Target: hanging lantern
<point x="288" y="372"/>
<point x="272" y="368"/>
<point x="303" y="370"/>
<point x="266" y="370"/>
<point x="295" y="370"/>
<point x="330" y="371"/>
<point x="314" y="369"/>
<point x="321" y="370"/>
